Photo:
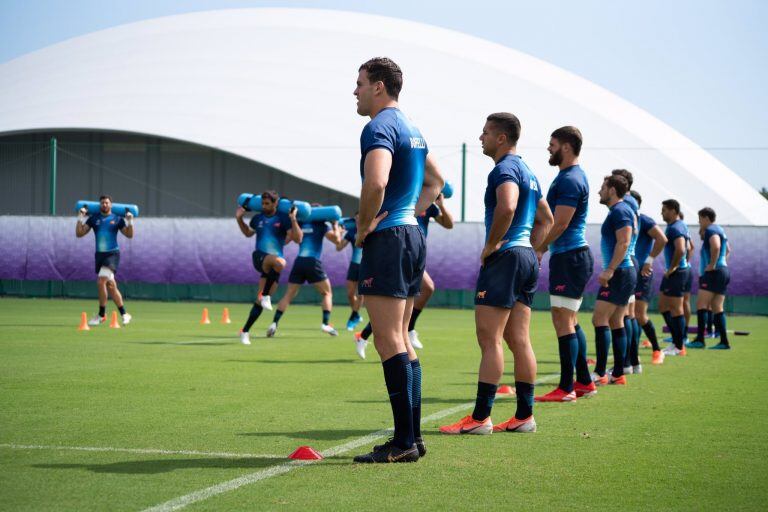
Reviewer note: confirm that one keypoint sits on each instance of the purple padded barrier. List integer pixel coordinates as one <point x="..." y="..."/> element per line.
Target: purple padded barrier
<point x="203" y="251"/>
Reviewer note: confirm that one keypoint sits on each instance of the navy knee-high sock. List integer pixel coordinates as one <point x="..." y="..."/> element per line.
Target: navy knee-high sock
<point x="414" y="317"/>
<point x="486" y="392"/>
<point x="252" y="317"/>
<point x="668" y="320"/>
<point x="635" y="346"/>
<point x="701" y="324"/>
<point x="416" y="397"/>
<point x="524" y="393"/>
<point x="569" y="349"/>
<point x="628" y="332"/>
<point x="602" y="343"/>
<point x="272" y="278"/>
<point x="710" y="322"/>
<point x="619" y="340"/>
<point x="399" y="379"/>
<point x="367" y="331"/>
<point x="719" y="319"/>
<point x="650" y="331"/>
<point x="677" y="326"/>
<point x="582" y="368"/>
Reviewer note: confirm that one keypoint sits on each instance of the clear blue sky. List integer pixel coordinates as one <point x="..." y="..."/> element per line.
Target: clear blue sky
<point x="701" y="66"/>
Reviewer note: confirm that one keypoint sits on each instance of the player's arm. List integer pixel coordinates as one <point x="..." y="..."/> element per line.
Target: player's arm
<point x="378" y="163"/>
<point x="244" y="228"/>
<point x="82" y="228"/>
<point x="506" y="204"/>
<point x="659" y="241"/>
<point x="689" y="245"/>
<point x="714" y="251"/>
<point x="342" y="244"/>
<point x="561" y="220"/>
<point x="623" y="236"/>
<point x="543" y="224"/>
<point x="677" y="255"/>
<point x="334" y="234"/>
<point x="295" y="232"/>
<point x="127" y="230"/>
<point x="727" y="250"/>
<point x="432" y="186"/>
<point x="445" y="218"/>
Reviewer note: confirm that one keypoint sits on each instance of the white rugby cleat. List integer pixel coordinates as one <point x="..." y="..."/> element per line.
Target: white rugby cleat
<point x="413" y="336"/>
<point x="127" y="318"/>
<point x="245" y="338"/>
<point x="271" y="330"/>
<point x="96" y="320"/>
<point x="328" y="329"/>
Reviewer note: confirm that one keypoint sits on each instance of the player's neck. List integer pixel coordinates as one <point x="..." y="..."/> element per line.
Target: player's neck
<point x="387" y="103"/>
<point x="568" y="163"/>
<point x="504" y="151"/>
<point x="613" y="201"/>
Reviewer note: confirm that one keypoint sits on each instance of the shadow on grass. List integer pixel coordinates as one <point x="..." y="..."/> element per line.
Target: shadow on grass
<point x="149" y="467"/>
<point x="315" y="435"/>
<point x="424" y="400"/>
<point x="293" y="361"/>
<point x="186" y="343"/>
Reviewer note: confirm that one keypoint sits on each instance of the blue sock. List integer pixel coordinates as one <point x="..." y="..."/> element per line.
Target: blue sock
<point x="602" y="343"/>
<point x="719" y="319"/>
<point x="634" y="347"/>
<point x="484" y="402"/>
<point x="367" y="331"/>
<point x="710" y="321"/>
<point x="416" y="397"/>
<point x="252" y="317"/>
<point x="628" y="330"/>
<point x="121" y="309"/>
<point x="667" y="319"/>
<point x="569" y="349"/>
<point x="677" y="327"/>
<point x="354" y="316"/>
<point x="326" y="316"/>
<point x="524" y="393"/>
<point x="619" y="339"/>
<point x="102" y="311"/>
<point x="701" y="323"/>
<point x="399" y="379"/>
<point x="650" y="331"/>
<point x="278" y="316"/>
<point x="582" y="368"/>
<point x="272" y="277"/>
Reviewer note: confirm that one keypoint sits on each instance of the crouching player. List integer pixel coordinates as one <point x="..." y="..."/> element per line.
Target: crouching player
<point x="105" y="226"/>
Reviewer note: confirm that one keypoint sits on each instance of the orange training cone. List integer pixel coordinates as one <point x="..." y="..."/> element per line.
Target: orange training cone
<point x="113" y="321"/>
<point x="305" y="453"/>
<point x="505" y="389"/>
<point x="206" y="319"/>
<point x="225" y="316"/>
<point x="83" y="322"/>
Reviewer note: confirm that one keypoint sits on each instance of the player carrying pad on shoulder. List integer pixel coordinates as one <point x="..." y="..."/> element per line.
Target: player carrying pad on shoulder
<point x="105" y="226"/>
<point x="399" y="181"/>
<point x="517" y="218"/>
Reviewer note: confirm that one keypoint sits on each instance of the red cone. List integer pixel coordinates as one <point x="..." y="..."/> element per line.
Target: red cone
<point x="505" y="389"/>
<point x="305" y="453"/>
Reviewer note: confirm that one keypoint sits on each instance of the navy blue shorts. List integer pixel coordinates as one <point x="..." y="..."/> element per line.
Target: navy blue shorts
<point x="689" y="282"/>
<point x="570" y="271"/>
<point x="111" y="260"/>
<point x="620" y="288"/>
<point x="674" y="285"/>
<point x="643" y="289"/>
<point x="353" y="273"/>
<point x="715" y="281"/>
<point x="258" y="262"/>
<point x="307" y="270"/>
<point x="508" y="277"/>
<point x="393" y="262"/>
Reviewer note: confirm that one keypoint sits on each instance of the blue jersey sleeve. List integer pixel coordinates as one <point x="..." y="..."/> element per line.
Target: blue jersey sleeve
<point x="285" y="223"/>
<point x="350" y="235"/>
<point x="378" y="135"/>
<point x="621" y="218"/>
<point x="646" y="224"/>
<point x="120" y="223"/>
<point x="504" y="174"/>
<point x="253" y="222"/>
<point x="674" y="232"/>
<point x="569" y="193"/>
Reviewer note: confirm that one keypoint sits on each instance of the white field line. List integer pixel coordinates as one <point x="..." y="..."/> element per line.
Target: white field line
<point x="143" y="451"/>
<point x="231" y="485"/>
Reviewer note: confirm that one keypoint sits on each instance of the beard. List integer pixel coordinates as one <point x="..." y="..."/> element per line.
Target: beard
<point x="556" y="158"/>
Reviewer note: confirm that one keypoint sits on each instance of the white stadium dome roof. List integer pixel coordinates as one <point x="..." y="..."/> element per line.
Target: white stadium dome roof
<point x="275" y="86"/>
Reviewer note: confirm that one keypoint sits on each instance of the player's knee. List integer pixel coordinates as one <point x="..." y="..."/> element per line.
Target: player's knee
<point x="278" y="265"/>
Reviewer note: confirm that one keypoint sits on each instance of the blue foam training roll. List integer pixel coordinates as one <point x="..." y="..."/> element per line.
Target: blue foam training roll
<point x="348" y="223"/>
<point x="120" y="209"/>
<point x="325" y="213"/>
<point x="448" y="190"/>
<point x="252" y="202"/>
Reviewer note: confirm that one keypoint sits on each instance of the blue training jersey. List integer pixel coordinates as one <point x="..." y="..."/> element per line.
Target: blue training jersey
<point x="705" y="251"/>
<point x="511" y="168"/>
<point x="391" y="130"/>
<point x="635" y="208"/>
<point x="674" y="231"/>
<point x="270" y="232"/>
<point x="357" y="252"/>
<point x="570" y="188"/>
<point x="644" y="240"/>
<point x="423" y="219"/>
<point x="105" y="228"/>
<point x="619" y="216"/>
<point x="312" y="242"/>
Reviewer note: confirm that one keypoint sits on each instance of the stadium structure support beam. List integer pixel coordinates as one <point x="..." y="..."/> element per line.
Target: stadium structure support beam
<point x="53" y="174"/>
<point x="463" y="178"/>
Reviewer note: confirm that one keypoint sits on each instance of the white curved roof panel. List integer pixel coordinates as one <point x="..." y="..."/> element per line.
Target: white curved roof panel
<point x="275" y="86"/>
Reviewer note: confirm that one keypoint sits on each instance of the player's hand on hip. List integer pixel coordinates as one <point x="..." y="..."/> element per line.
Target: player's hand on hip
<point x="604" y="277"/>
<point x="360" y="238"/>
<point x="490" y="249"/>
<point x="646" y="271"/>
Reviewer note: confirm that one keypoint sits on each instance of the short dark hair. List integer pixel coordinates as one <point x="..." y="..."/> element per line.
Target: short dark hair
<point x="105" y="196"/>
<point x="569" y="135"/>
<point x="708" y="213"/>
<point x="272" y="195"/>
<point x="672" y="204"/>
<point x="508" y="124"/>
<point x="637" y="196"/>
<point x="618" y="183"/>
<point x="627" y="175"/>
<point x="383" y="69"/>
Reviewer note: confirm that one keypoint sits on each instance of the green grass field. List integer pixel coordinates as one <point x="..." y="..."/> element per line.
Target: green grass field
<point x="686" y="435"/>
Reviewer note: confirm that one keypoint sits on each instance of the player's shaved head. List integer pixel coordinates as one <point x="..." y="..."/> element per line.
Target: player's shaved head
<point x="506" y="124"/>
